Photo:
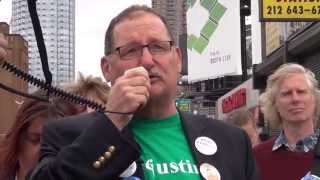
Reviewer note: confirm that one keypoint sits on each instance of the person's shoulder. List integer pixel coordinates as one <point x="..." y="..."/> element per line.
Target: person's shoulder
<point x="264" y="146"/>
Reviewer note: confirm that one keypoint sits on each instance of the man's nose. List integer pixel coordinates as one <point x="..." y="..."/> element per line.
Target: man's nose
<point x="295" y="96"/>
<point x="146" y="57"/>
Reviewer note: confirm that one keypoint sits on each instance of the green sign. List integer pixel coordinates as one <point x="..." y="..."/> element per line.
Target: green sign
<point x="184" y="104"/>
<point x="216" y="11"/>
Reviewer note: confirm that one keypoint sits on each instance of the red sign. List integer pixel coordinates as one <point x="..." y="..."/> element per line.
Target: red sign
<point x="234" y="101"/>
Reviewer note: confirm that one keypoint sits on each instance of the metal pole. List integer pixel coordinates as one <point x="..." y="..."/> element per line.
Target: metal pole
<point x="243" y="42"/>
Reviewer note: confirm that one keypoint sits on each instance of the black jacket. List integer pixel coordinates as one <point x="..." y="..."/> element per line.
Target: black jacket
<point x="71" y="146"/>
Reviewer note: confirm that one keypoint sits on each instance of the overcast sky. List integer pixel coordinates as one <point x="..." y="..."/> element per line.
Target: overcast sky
<point x="92" y="19"/>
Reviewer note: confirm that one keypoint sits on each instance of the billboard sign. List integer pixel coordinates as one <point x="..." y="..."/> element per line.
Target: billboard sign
<point x="290" y="10"/>
<point x="213" y="42"/>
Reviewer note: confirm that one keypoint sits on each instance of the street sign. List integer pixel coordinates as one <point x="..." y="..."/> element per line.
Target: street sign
<point x="289" y="10"/>
<point x="183" y="104"/>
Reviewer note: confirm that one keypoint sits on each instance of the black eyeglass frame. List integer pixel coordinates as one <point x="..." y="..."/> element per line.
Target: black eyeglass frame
<point x="141" y="47"/>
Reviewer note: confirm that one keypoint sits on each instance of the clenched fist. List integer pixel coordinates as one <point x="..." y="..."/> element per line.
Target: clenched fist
<point x="129" y="93"/>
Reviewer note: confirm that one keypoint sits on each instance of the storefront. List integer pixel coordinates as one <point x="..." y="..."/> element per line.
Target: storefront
<point x="297" y="42"/>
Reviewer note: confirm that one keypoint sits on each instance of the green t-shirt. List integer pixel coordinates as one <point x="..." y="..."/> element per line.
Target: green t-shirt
<point x="165" y="151"/>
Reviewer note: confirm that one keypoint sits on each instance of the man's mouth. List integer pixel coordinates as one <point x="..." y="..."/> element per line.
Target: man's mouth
<point x="153" y="77"/>
<point x="296" y="110"/>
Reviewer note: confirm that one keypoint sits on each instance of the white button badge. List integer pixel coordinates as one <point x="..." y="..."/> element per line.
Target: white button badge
<point x="129" y="171"/>
<point x="206" y="145"/>
<point x="209" y="172"/>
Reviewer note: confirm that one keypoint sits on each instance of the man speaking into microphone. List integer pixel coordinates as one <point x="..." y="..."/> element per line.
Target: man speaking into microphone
<point x="142" y="135"/>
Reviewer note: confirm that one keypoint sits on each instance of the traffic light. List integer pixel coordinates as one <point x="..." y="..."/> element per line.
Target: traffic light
<point x="247" y="2"/>
<point x="245" y="7"/>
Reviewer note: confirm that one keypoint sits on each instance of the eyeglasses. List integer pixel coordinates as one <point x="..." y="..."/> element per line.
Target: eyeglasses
<point x="134" y="51"/>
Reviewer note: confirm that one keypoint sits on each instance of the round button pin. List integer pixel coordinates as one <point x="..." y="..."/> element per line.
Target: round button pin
<point x="129" y="171"/>
<point x="209" y="172"/>
<point x="206" y="145"/>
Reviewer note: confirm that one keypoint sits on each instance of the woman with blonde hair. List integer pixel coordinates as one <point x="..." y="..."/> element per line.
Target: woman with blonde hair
<point x="244" y="119"/>
<point x="93" y="88"/>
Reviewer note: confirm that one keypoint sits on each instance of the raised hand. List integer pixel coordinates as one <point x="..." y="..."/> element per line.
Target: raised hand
<point x="129" y="93"/>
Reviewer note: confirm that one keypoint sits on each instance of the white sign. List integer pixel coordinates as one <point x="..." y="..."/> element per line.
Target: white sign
<point x="252" y="99"/>
<point x="214" y="46"/>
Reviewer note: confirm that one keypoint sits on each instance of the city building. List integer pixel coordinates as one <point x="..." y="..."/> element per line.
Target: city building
<point x="57" y="19"/>
<point x="175" y="13"/>
<point x="17" y="55"/>
<point x="288" y="42"/>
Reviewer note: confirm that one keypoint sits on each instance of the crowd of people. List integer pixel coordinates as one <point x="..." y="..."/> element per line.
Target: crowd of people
<point x="143" y="135"/>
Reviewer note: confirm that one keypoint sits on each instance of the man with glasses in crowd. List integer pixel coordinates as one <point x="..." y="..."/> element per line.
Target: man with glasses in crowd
<point x="142" y="135"/>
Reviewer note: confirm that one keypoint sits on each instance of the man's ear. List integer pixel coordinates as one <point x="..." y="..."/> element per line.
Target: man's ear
<point x="104" y="64"/>
<point x="178" y="59"/>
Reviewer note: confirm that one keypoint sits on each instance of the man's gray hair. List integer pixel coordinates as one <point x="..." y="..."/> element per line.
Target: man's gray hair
<point x="267" y="98"/>
<point x="130" y="12"/>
